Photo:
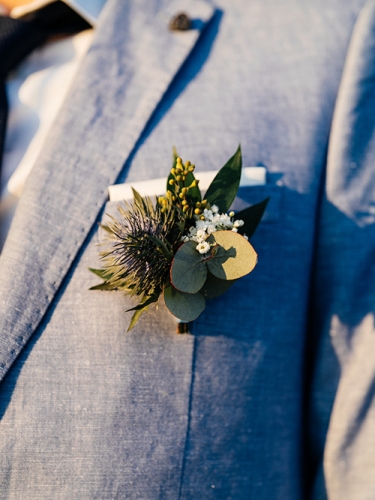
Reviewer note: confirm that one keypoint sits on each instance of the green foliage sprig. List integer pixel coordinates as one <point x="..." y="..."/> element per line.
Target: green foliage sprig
<point x="181" y="246"/>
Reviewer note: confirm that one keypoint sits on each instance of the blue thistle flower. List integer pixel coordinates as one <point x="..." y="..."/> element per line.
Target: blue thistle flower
<point x="141" y="245"/>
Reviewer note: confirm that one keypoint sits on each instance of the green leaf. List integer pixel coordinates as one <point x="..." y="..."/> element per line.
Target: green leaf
<point x="142" y="305"/>
<point x="188" y="270"/>
<point x="194" y="193"/>
<point x="161" y="245"/>
<point x="103" y="286"/>
<point x="185" y="306"/>
<point x="214" y="287"/>
<point x="137" y="197"/>
<point x="135" y="318"/>
<point x="224" y="187"/>
<point x="106" y="228"/>
<point x="235" y="256"/>
<point x="105" y="275"/>
<point x="99" y="272"/>
<point x="251" y="217"/>
<point x="181" y="225"/>
<point x="170" y="176"/>
<point x="140" y="309"/>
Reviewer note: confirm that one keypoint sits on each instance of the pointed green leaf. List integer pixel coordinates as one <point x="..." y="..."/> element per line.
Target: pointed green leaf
<point x="143" y="304"/>
<point x="214" y="287"/>
<point x="185" y="306"/>
<point x="224" y="187"/>
<point x="188" y="270"/>
<point x="235" y="256"/>
<point x="106" y="228"/>
<point x="135" y="318"/>
<point x="194" y="193"/>
<point x="181" y="225"/>
<point x="99" y="272"/>
<point x="251" y="217"/>
<point x="103" y="286"/>
<point x="170" y="176"/>
<point x="161" y="245"/>
<point x="137" y="197"/>
<point x="141" y="308"/>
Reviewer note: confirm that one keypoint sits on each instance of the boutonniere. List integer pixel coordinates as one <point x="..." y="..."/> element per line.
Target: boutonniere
<point x="180" y="246"/>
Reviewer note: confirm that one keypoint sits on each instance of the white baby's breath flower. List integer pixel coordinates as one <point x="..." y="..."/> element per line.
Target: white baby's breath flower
<point x="225" y="219"/>
<point x="213" y="221"/>
<point x="184" y="238"/>
<point x="224" y="222"/>
<point x="200" y="224"/>
<point x="201" y="235"/>
<point x="246" y="237"/>
<point x="203" y="247"/>
<point x="207" y="214"/>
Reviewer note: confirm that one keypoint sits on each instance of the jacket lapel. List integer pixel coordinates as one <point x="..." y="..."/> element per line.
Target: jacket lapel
<point x="94" y="135"/>
<point x="350" y="166"/>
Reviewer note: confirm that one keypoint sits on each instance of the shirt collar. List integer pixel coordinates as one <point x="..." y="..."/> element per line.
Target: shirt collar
<point x="88" y="9"/>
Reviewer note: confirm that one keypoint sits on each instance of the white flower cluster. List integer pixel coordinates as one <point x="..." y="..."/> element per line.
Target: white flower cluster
<point x="209" y="222"/>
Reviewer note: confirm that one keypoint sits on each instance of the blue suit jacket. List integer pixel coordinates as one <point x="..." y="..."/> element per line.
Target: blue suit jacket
<point x="271" y="395"/>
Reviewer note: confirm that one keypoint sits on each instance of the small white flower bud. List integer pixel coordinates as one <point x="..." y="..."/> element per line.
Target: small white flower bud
<point x="201" y="235"/>
<point x="203" y="247"/>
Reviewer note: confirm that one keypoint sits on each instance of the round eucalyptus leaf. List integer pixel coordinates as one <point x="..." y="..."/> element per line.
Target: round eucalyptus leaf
<point x="214" y="287"/>
<point x="234" y="258"/>
<point x="188" y="270"/>
<point x="185" y="306"/>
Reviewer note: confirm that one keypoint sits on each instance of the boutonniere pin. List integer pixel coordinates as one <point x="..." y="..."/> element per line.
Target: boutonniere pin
<point x="181" y="246"/>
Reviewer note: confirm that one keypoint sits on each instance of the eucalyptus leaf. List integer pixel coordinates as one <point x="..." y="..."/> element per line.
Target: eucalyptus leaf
<point x="224" y="187"/>
<point x="235" y="257"/>
<point x="214" y="287"/>
<point x="185" y="306"/>
<point x="188" y="270"/>
<point x="251" y="217"/>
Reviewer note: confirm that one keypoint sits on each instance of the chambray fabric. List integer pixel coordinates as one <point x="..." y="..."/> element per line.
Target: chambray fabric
<point x="241" y="408"/>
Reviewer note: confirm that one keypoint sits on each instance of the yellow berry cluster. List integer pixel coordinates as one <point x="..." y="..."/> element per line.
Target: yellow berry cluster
<point x="178" y="192"/>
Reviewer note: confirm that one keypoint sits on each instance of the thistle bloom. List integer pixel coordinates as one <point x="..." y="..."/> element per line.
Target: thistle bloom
<point x="142" y="243"/>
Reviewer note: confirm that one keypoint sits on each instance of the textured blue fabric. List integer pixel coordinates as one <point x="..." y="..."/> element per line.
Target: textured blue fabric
<point x="241" y="407"/>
